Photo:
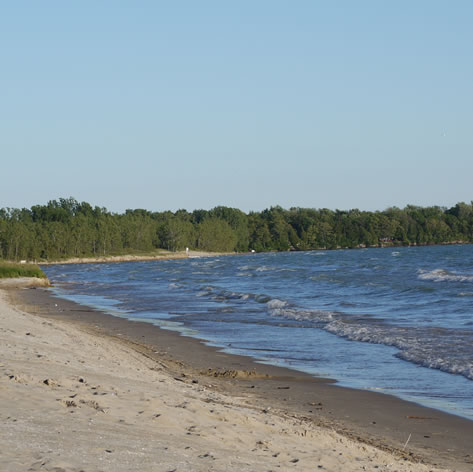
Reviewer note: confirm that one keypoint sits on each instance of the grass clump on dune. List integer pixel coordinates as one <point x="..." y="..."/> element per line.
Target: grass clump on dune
<point x="13" y="270"/>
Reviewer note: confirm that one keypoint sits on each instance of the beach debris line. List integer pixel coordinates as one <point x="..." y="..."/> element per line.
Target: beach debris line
<point x="234" y="374"/>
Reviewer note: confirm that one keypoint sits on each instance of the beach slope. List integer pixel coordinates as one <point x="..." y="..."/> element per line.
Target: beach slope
<point x="71" y="400"/>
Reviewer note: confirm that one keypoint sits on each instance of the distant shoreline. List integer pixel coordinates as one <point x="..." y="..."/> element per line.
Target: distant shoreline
<point x="168" y="255"/>
<point x="133" y="258"/>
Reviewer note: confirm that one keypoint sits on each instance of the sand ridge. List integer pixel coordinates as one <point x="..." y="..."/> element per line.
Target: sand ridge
<point x="21" y="282"/>
<point x="71" y="401"/>
<point x="161" y="256"/>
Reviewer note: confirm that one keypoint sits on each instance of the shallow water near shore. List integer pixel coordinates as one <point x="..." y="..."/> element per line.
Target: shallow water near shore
<point x="398" y="321"/>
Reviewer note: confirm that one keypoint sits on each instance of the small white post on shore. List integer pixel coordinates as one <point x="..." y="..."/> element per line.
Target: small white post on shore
<point x="187" y="251"/>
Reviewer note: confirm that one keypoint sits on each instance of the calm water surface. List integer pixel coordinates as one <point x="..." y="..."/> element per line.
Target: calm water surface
<point x="398" y="321"/>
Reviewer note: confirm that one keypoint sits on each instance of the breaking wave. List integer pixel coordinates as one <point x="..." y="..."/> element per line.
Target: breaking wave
<point x="443" y="275"/>
<point x="443" y="349"/>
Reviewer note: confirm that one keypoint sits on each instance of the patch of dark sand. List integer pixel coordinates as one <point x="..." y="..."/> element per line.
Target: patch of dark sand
<point x="407" y="429"/>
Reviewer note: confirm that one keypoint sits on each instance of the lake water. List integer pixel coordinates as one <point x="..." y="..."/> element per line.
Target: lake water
<point x="398" y="321"/>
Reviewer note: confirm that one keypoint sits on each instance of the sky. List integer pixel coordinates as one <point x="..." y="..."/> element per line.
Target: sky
<point x="249" y="104"/>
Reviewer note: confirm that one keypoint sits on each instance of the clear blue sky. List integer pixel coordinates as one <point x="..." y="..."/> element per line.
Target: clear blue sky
<point x="194" y="104"/>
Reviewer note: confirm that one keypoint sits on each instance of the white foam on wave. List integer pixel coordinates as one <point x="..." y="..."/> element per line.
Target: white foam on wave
<point x="282" y="308"/>
<point x="437" y="361"/>
<point x="276" y="303"/>
<point x="222" y="294"/>
<point x="245" y="270"/>
<point x="244" y="267"/>
<point x="443" y="275"/>
<point x="416" y="347"/>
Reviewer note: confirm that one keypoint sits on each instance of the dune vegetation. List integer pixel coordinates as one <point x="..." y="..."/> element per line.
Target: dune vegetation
<point x="14" y="270"/>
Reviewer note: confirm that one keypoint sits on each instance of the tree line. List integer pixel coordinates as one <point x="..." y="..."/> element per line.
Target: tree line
<point x="66" y="228"/>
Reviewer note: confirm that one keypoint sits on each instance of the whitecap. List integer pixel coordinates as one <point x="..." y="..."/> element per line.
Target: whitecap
<point x="276" y="303"/>
<point x="443" y="275"/>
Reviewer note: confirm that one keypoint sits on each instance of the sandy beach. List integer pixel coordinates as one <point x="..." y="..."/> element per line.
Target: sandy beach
<point x="81" y="390"/>
<point x="161" y="256"/>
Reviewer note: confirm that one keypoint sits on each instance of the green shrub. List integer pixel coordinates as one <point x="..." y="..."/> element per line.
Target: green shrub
<point x="12" y="270"/>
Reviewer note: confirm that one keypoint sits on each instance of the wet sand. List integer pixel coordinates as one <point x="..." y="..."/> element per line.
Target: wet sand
<point x="410" y="434"/>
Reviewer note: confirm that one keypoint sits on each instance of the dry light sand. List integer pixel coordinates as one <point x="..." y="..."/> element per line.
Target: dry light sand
<point x="72" y="401"/>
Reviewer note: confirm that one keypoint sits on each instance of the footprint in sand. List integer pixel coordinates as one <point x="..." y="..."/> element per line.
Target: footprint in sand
<point x="207" y="455"/>
<point x="193" y="430"/>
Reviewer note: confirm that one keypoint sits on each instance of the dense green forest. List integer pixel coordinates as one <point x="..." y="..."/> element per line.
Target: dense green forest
<point x="66" y="228"/>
